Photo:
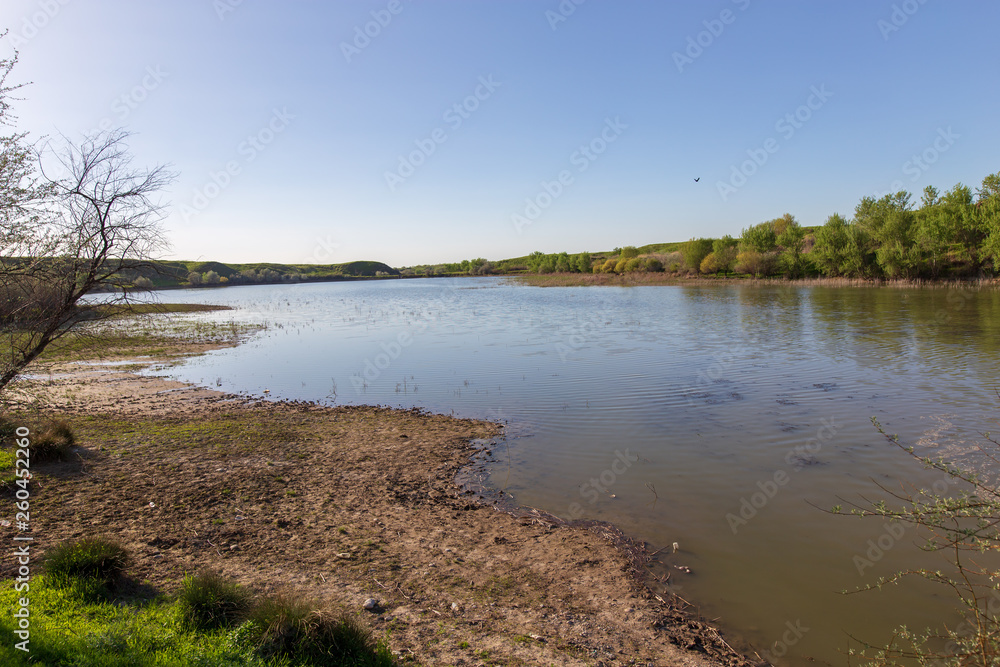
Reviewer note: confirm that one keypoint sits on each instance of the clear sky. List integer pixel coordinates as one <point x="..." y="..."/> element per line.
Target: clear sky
<point x="300" y="138"/>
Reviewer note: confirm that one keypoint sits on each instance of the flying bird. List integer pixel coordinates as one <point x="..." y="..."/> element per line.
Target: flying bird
<point x="697" y="179"/>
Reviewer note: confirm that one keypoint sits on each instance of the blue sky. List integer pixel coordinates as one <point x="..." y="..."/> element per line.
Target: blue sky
<point x="283" y="122"/>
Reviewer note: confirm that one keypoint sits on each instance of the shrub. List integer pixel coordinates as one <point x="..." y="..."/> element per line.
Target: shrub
<point x="609" y="265"/>
<point x="633" y="264"/>
<point x="709" y="264"/>
<point x="207" y="601"/>
<point x="52" y="443"/>
<point x="695" y="250"/>
<point x="142" y="282"/>
<point x="99" y="560"/>
<point x="288" y="628"/>
<point x="653" y="265"/>
<point x="759" y="264"/>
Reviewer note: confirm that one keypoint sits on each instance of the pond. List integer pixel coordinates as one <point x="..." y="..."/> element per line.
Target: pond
<point x="727" y="419"/>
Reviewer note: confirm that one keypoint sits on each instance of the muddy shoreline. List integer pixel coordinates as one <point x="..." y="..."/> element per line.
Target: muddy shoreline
<point x="341" y="504"/>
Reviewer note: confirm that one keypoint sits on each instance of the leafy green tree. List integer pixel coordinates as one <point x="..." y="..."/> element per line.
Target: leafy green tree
<point x="859" y="255"/>
<point x="695" y="250"/>
<point x="210" y="278"/>
<point x="195" y="278"/>
<point x="988" y="217"/>
<point x="628" y="252"/>
<point x="791" y="239"/>
<point x="725" y="251"/>
<point x="830" y="251"/>
<point x="535" y="260"/>
<point x="610" y="264"/>
<point x="563" y="263"/>
<point x="759" y="238"/>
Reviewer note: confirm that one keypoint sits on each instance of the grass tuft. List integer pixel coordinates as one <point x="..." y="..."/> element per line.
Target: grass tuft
<point x="207" y="601"/>
<point x="290" y="628"/>
<point x="95" y="564"/>
<point x="52" y="443"/>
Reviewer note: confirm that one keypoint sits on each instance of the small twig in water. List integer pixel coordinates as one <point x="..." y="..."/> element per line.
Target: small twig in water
<point x="655" y="496"/>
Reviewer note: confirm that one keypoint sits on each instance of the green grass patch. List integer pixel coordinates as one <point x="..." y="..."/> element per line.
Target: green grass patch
<point x="68" y="627"/>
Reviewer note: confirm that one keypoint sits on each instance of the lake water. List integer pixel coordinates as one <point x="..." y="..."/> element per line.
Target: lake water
<point x="740" y="414"/>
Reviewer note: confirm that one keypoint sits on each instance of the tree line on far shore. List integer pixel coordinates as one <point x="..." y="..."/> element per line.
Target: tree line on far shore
<point x="955" y="234"/>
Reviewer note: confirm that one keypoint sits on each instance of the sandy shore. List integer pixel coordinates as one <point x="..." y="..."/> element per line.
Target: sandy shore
<point x="343" y="504"/>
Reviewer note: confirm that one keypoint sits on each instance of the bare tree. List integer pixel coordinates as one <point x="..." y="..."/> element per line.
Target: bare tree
<point x="94" y="228"/>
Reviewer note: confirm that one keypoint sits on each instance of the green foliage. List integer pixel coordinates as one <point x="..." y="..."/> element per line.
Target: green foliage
<point x="208" y="601"/>
<point x="629" y="252"/>
<point x="724" y="251"/>
<point x="791" y="240"/>
<point x="759" y="238"/>
<point x="96" y="560"/>
<point x="695" y="250"/>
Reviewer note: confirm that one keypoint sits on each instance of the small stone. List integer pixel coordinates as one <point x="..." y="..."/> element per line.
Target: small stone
<point x="371" y="604"/>
<point x="454" y="606"/>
